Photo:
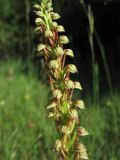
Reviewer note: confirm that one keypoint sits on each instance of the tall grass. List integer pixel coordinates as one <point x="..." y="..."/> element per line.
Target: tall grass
<point x="95" y="71"/>
<point x="24" y="129"/>
<point x="93" y="34"/>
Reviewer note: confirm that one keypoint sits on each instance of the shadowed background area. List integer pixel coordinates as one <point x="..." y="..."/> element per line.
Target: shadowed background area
<point x="25" y="131"/>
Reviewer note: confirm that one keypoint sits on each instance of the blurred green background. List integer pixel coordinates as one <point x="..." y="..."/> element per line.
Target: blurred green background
<point x="25" y="131"/>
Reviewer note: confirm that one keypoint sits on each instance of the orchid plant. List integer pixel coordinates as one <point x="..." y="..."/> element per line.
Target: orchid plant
<point x="62" y="108"/>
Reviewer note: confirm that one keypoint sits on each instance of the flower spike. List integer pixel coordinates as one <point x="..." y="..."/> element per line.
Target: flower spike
<point x="62" y="108"/>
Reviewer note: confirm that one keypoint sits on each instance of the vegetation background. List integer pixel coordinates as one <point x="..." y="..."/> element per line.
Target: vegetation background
<point x="25" y="131"/>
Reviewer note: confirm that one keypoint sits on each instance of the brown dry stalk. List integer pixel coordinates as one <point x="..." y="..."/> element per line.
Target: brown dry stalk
<point x="63" y="109"/>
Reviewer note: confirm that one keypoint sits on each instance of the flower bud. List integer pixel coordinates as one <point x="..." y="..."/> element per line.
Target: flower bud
<point x="69" y="84"/>
<point x="50" y="9"/>
<point x="39" y="21"/>
<point x="79" y="104"/>
<point x="66" y="130"/>
<point x="39" y="13"/>
<point x="52" y="105"/>
<point x="80" y="148"/>
<point x="41" y="47"/>
<point x="37" y="29"/>
<point x="37" y="6"/>
<point x="58" y="145"/>
<point x="48" y="33"/>
<point x="50" y="115"/>
<point x="49" y="5"/>
<point x="82" y="131"/>
<point x="63" y="39"/>
<point x="59" y="51"/>
<point x="60" y="29"/>
<point x="54" y="24"/>
<point x="53" y="64"/>
<point x="55" y="16"/>
<point x="77" y="85"/>
<point x="69" y="52"/>
<point x="74" y="115"/>
<point x="57" y="93"/>
<point x="71" y="68"/>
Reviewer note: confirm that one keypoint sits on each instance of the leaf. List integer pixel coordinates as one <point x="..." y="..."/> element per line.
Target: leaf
<point x="91" y="20"/>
